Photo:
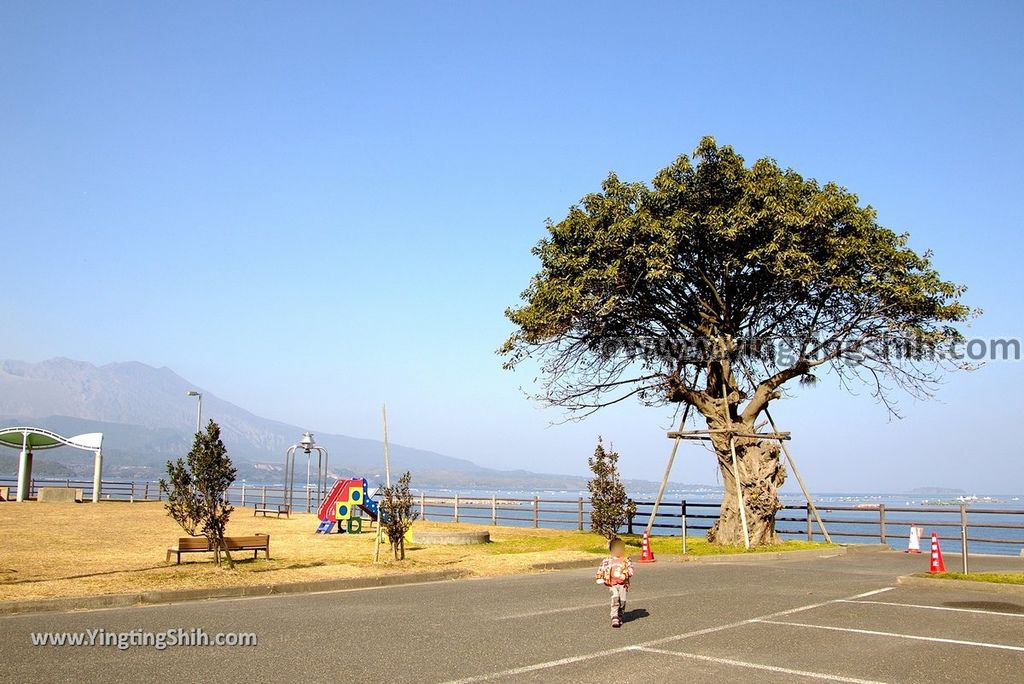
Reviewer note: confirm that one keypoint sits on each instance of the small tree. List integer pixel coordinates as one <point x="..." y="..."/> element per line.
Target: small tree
<point x="196" y="489"/>
<point x="397" y="504"/>
<point x="608" y="500"/>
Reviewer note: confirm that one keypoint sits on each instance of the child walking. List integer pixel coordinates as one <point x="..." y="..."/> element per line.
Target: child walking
<point x="614" y="573"/>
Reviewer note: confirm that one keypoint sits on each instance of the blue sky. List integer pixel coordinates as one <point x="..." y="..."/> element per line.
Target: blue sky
<point x="309" y="209"/>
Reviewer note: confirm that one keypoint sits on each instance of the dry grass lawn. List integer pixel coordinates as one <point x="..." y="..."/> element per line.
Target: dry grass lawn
<point x="57" y="550"/>
<point x="50" y="550"/>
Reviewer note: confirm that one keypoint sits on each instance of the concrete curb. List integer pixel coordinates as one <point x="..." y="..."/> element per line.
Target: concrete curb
<point x="169" y="596"/>
<point x="720" y="558"/>
<point x="430" y="537"/>
<point x="966" y="585"/>
<point x="802" y="554"/>
<point x="188" y="595"/>
<point x="576" y="564"/>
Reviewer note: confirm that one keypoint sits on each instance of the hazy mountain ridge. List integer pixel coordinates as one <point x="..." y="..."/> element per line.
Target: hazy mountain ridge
<point x="147" y="419"/>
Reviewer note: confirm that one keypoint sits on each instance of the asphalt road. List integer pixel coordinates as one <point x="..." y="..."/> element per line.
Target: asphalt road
<point x="840" y="619"/>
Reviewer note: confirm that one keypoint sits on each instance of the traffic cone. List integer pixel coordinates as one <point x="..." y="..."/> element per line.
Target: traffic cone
<point x="937" y="565"/>
<point x="914" y="544"/>
<point x="647" y="556"/>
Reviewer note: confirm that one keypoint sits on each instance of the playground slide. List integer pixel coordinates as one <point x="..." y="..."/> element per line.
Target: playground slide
<point x="354" y="492"/>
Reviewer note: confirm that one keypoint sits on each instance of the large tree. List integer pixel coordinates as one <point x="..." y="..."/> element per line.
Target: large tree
<point x="713" y="287"/>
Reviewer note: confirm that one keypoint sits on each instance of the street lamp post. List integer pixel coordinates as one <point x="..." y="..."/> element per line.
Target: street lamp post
<point x="199" y="410"/>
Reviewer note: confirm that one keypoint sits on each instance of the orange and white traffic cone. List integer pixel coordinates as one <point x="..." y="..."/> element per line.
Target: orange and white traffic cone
<point x="937" y="565"/>
<point x="647" y="556"/>
<point x="914" y="544"/>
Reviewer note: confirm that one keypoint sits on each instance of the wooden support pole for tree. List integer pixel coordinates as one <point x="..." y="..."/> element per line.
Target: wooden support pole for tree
<point x="706" y="434"/>
<point x="387" y="479"/>
<point x="668" y="472"/>
<point x="735" y="463"/>
<point x="800" y="480"/>
<point x="387" y="452"/>
<point x="739" y="492"/>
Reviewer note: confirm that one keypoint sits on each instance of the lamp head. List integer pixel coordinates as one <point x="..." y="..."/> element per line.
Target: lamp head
<point x="307" y="442"/>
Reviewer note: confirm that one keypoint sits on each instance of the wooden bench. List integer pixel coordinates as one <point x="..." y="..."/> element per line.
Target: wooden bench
<point x="255" y="543"/>
<point x="277" y="510"/>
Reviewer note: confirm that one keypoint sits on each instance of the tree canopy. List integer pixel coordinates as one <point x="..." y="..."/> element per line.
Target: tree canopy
<point x="725" y="279"/>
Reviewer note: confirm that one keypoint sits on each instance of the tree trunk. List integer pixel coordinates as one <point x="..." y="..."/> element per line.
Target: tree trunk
<point x="761" y="474"/>
<point x="227" y="554"/>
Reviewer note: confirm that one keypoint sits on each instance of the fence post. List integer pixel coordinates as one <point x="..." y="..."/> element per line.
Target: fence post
<point x="145" y="492"/>
<point x="629" y="523"/>
<point x="131" y="495"/>
<point x="263" y="500"/>
<point x="243" y="495"/>
<point x="308" y="509"/>
<point x="579" y="503"/>
<point x="536" y="517"/>
<point x="682" y="524"/>
<point x="494" y="509"/>
<point x="881" y="523"/>
<point x="963" y="535"/>
<point x="456" y="508"/>
<point x="423" y="507"/>
<point x="810" y="527"/>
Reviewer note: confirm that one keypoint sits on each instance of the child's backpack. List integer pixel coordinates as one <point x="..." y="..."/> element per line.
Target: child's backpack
<point x="614" y="571"/>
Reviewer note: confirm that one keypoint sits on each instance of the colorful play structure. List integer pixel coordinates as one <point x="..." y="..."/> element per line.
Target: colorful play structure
<point x="342" y="505"/>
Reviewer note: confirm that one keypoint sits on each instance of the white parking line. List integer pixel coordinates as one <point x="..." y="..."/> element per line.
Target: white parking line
<point x="871" y="632"/>
<point x="955" y="610"/>
<point x="758" y="666"/>
<point x="654" y="642"/>
<point x="588" y="606"/>
<point x="540" y="666"/>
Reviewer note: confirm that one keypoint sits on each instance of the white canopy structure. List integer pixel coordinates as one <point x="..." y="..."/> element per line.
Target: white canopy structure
<point x="30" y="439"/>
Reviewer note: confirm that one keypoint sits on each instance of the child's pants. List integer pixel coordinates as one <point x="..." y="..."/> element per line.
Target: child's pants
<point x="618" y="599"/>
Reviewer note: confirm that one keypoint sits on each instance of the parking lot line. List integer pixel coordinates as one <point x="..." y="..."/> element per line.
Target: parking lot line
<point x="917" y="605"/>
<point x="871" y="632"/>
<point x="586" y="606"/>
<point x="759" y="666"/>
<point x="654" y="642"/>
<point x="539" y="666"/>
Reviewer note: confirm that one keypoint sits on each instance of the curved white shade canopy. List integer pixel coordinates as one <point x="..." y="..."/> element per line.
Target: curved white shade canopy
<point x="29" y="439"/>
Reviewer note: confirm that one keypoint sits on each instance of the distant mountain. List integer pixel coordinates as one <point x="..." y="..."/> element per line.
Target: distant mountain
<point x="146" y="420"/>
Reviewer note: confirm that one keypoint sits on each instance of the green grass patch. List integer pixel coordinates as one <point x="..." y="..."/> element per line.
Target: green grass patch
<point x="510" y="540"/>
<point x="699" y="546"/>
<point x="991" y="577"/>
